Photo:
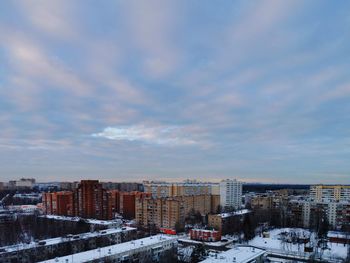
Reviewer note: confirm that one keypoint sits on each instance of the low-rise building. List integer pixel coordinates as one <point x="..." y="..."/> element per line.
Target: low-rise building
<point x="225" y="222"/>
<point x="150" y="249"/>
<point x="205" y="235"/>
<point x="61" y="246"/>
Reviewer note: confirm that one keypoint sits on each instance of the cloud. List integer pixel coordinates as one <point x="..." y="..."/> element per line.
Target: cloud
<point x="161" y="135"/>
<point x="152" y="26"/>
<point x="52" y="17"/>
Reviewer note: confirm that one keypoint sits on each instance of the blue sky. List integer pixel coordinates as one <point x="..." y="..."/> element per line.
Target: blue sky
<point x="133" y="90"/>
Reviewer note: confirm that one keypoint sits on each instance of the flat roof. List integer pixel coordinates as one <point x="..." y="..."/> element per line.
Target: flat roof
<point x="239" y="254"/>
<point x="111" y="250"/>
<point x="57" y="240"/>
<point x="235" y="213"/>
<point x="87" y="220"/>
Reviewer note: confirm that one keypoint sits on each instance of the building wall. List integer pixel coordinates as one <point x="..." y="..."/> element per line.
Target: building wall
<point x="91" y="200"/>
<point x="330" y="193"/>
<point x="179" y="189"/>
<point x="58" y="203"/>
<point x="167" y="212"/>
<point x="261" y="202"/>
<point x="205" y="235"/>
<point x="231" y="193"/>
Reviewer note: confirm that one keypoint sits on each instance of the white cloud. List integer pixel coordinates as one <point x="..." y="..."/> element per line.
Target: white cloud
<point x="162" y="135"/>
<point x="52" y="17"/>
<point x="152" y="25"/>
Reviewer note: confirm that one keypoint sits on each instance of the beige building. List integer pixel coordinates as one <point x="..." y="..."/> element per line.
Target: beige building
<point x="164" y="189"/>
<point x="262" y="202"/>
<point x="159" y="212"/>
<point x="224" y="221"/>
<point x="330" y="193"/>
<point x="166" y="212"/>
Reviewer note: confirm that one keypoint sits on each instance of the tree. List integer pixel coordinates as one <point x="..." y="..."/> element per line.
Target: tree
<point x="198" y="253"/>
<point x="248" y="228"/>
<point x="219" y="209"/>
<point x="179" y="227"/>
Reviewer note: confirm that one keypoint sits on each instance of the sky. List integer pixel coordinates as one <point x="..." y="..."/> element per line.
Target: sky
<point x="169" y="90"/>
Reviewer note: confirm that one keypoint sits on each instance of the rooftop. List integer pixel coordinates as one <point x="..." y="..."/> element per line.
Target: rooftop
<point x="57" y="240"/>
<point x="89" y="221"/>
<point x="235" y="213"/>
<point x="239" y="254"/>
<point x="112" y="250"/>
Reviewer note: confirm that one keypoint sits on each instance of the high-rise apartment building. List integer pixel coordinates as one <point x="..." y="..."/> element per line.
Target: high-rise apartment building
<point x="166" y="212"/>
<point x="92" y="201"/>
<point x="231" y="194"/>
<point x="164" y="189"/>
<point x="308" y="213"/>
<point x="330" y="193"/>
<point x="58" y="203"/>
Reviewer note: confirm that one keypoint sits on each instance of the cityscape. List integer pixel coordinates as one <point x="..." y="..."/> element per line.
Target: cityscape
<point x="174" y="131"/>
<point x="158" y="221"/>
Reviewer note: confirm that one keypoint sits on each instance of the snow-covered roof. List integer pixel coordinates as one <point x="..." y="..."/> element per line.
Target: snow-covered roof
<point x="204" y="230"/>
<point x="239" y="254"/>
<point x="338" y="234"/>
<point x="89" y="221"/>
<point x="235" y="213"/>
<point x="57" y="240"/>
<point x="103" y="252"/>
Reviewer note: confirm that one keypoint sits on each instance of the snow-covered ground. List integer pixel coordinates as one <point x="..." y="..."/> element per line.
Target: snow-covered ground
<point x="275" y="243"/>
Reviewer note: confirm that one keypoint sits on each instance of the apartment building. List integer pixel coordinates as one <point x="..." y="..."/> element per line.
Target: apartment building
<point x="160" y="212"/>
<point x="149" y="249"/>
<point x="231" y="194"/>
<point x="92" y="201"/>
<point x="164" y="189"/>
<point x="168" y="211"/>
<point x="58" y="203"/>
<point x="123" y="203"/>
<point x="224" y="222"/>
<point x="307" y="213"/>
<point x="62" y="246"/>
<point x="330" y="193"/>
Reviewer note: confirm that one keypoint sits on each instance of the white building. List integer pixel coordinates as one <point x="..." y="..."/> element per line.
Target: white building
<point x="231" y="193"/>
<point x="338" y="213"/>
<point x="239" y="254"/>
<point x="330" y="193"/>
<point x="150" y="248"/>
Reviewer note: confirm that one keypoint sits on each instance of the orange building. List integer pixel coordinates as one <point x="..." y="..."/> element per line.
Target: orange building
<point x="92" y="201"/>
<point x="124" y="202"/>
<point x="59" y="203"/>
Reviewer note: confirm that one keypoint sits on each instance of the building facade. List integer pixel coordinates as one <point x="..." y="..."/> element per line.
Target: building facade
<point x="231" y="194"/>
<point x="167" y="212"/>
<point x="149" y="249"/>
<point x="188" y="188"/>
<point x="330" y="193"/>
<point x="58" y="203"/>
<point x="205" y="235"/>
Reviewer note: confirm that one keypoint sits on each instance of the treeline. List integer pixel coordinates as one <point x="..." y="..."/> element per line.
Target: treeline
<point x="27" y="228"/>
<point x="262" y="188"/>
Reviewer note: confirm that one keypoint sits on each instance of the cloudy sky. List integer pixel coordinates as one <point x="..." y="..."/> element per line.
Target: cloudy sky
<point x="133" y="90"/>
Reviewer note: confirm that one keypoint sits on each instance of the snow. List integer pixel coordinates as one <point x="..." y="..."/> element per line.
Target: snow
<point x="338" y="234"/>
<point x="275" y="244"/>
<point x="89" y="221"/>
<point x="211" y="244"/>
<point x="103" y="252"/>
<point x="57" y="240"/>
<point x="239" y="254"/>
<point x="239" y="212"/>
